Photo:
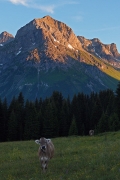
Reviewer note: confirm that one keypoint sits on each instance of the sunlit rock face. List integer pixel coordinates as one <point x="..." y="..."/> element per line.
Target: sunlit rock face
<point x="107" y="52"/>
<point x="5" y="38"/>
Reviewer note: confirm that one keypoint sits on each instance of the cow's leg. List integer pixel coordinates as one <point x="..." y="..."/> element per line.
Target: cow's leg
<point x="44" y="163"/>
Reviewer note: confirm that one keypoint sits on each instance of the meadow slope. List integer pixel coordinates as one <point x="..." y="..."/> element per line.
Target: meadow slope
<point x="76" y="158"/>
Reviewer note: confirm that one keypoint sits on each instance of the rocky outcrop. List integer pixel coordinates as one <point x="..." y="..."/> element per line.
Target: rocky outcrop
<point x="5" y="38"/>
<point x="107" y="52"/>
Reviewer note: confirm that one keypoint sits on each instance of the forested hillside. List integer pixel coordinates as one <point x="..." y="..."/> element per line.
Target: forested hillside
<point x="57" y="116"/>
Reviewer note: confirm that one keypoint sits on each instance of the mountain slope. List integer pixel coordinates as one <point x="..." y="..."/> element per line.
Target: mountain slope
<point x="46" y="55"/>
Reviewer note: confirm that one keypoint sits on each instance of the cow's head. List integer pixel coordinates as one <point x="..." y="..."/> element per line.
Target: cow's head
<point x="43" y="143"/>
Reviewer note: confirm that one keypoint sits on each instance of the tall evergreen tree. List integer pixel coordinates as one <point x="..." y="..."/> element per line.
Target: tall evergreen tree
<point x="12" y="127"/>
<point x="79" y="110"/>
<point x="96" y="113"/>
<point x="32" y="123"/>
<point x="20" y="115"/>
<point x="73" y="128"/>
<point x="118" y="100"/>
<point x="50" y="123"/>
<point x="103" y="124"/>
<point x="64" y="120"/>
<point x="5" y="119"/>
<point x="28" y="121"/>
<point x="114" y="123"/>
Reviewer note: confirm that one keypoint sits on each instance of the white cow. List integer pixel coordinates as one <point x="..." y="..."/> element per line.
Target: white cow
<point x="91" y="132"/>
<point x="45" y="151"/>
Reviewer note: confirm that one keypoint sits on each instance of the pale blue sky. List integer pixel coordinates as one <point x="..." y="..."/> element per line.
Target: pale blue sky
<point x="88" y="18"/>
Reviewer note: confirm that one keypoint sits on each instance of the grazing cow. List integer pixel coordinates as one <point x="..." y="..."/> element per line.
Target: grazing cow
<point x="91" y="132"/>
<point x="45" y="151"/>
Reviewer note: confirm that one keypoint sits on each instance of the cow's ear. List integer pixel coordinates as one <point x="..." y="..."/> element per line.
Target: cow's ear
<point x="37" y="141"/>
<point x="48" y="140"/>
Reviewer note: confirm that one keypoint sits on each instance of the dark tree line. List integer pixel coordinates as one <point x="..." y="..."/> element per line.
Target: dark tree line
<point x="56" y="116"/>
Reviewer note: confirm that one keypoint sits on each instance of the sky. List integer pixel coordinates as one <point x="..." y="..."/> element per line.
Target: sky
<point x="88" y="18"/>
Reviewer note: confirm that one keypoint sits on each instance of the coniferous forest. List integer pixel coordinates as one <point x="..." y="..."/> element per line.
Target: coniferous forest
<point x="57" y="117"/>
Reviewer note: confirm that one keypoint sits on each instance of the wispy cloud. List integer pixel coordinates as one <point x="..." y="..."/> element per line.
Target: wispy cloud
<point x="22" y="2"/>
<point x="50" y="8"/>
<point x="78" y="18"/>
<point x="33" y="4"/>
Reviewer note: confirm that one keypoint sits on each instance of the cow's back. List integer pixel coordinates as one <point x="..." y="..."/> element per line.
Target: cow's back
<point x="50" y="149"/>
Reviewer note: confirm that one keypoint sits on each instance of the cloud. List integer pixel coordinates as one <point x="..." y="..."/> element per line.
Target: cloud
<point x="22" y="2"/>
<point x="33" y="4"/>
<point x="78" y="18"/>
<point x="39" y="4"/>
<point x="49" y="9"/>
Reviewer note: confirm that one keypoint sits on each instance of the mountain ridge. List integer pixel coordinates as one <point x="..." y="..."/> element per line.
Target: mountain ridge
<point x="46" y="55"/>
<point x="105" y="51"/>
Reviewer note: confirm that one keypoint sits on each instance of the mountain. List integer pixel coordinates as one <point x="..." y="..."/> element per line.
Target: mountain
<point x="46" y="55"/>
<point x="5" y="38"/>
<point x="106" y="52"/>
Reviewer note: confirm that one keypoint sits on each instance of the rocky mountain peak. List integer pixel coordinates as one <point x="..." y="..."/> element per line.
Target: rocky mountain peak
<point x="85" y="42"/>
<point x="114" y="51"/>
<point x="50" y="38"/>
<point x="51" y="30"/>
<point x="96" y="40"/>
<point x="5" y="37"/>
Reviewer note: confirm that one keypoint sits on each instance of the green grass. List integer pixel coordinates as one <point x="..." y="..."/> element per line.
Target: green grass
<point x="76" y="158"/>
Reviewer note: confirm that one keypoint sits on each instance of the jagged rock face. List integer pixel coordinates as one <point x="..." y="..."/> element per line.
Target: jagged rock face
<point x="5" y="37"/>
<point x="46" y="55"/>
<point x="43" y="41"/>
<point x="108" y="52"/>
<point x="53" y="38"/>
<point x="114" y="51"/>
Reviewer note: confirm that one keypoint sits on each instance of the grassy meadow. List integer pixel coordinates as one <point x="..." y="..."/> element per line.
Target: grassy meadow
<point x="76" y="158"/>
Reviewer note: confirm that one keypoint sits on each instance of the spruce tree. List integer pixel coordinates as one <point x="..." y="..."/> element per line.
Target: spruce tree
<point x="31" y="124"/>
<point x="103" y="124"/>
<point x="50" y="121"/>
<point x="64" y="120"/>
<point x="5" y="119"/>
<point x="118" y="100"/>
<point x="114" y="123"/>
<point x="73" y="128"/>
<point x="12" y="127"/>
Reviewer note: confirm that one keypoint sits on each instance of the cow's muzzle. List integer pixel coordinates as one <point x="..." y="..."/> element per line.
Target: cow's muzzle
<point x="43" y="148"/>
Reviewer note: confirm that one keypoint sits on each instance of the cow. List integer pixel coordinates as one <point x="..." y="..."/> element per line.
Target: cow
<point x="45" y="151"/>
<point x="91" y="132"/>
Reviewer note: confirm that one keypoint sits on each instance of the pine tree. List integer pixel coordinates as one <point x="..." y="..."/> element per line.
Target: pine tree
<point x="64" y="120"/>
<point x="96" y="113"/>
<point x="12" y="127"/>
<point x="73" y="128"/>
<point x="32" y="123"/>
<point x="2" y="132"/>
<point x="79" y="111"/>
<point x="103" y="124"/>
<point x="50" y="121"/>
<point x="5" y="119"/>
<point x="118" y="100"/>
<point x="27" y="122"/>
<point x="19" y="109"/>
<point x="114" y="123"/>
